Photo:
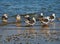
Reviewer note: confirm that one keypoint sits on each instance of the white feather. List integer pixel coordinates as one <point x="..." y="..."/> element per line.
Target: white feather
<point x="6" y="15"/>
<point x="18" y="17"/>
<point x="41" y="14"/>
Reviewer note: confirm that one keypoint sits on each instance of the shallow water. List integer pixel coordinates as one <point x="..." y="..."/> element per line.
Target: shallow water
<point x="30" y="36"/>
<point x="18" y="33"/>
<point x="12" y="34"/>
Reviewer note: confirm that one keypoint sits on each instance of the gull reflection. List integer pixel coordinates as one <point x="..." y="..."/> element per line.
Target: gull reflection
<point x="18" y="24"/>
<point x="30" y="30"/>
<point x="46" y="32"/>
<point x="53" y="25"/>
<point x="3" y="23"/>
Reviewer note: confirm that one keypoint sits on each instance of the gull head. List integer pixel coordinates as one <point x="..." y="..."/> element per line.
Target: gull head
<point x="53" y="14"/>
<point x="27" y="16"/>
<point x="41" y="14"/>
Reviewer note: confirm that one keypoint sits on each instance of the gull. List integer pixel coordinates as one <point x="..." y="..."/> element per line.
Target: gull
<point x="52" y="17"/>
<point x="30" y="21"/>
<point x="18" y="18"/>
<point x="45" y="21"/>
<point x="41" y="17"/>
<point x="4" y="18"/>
